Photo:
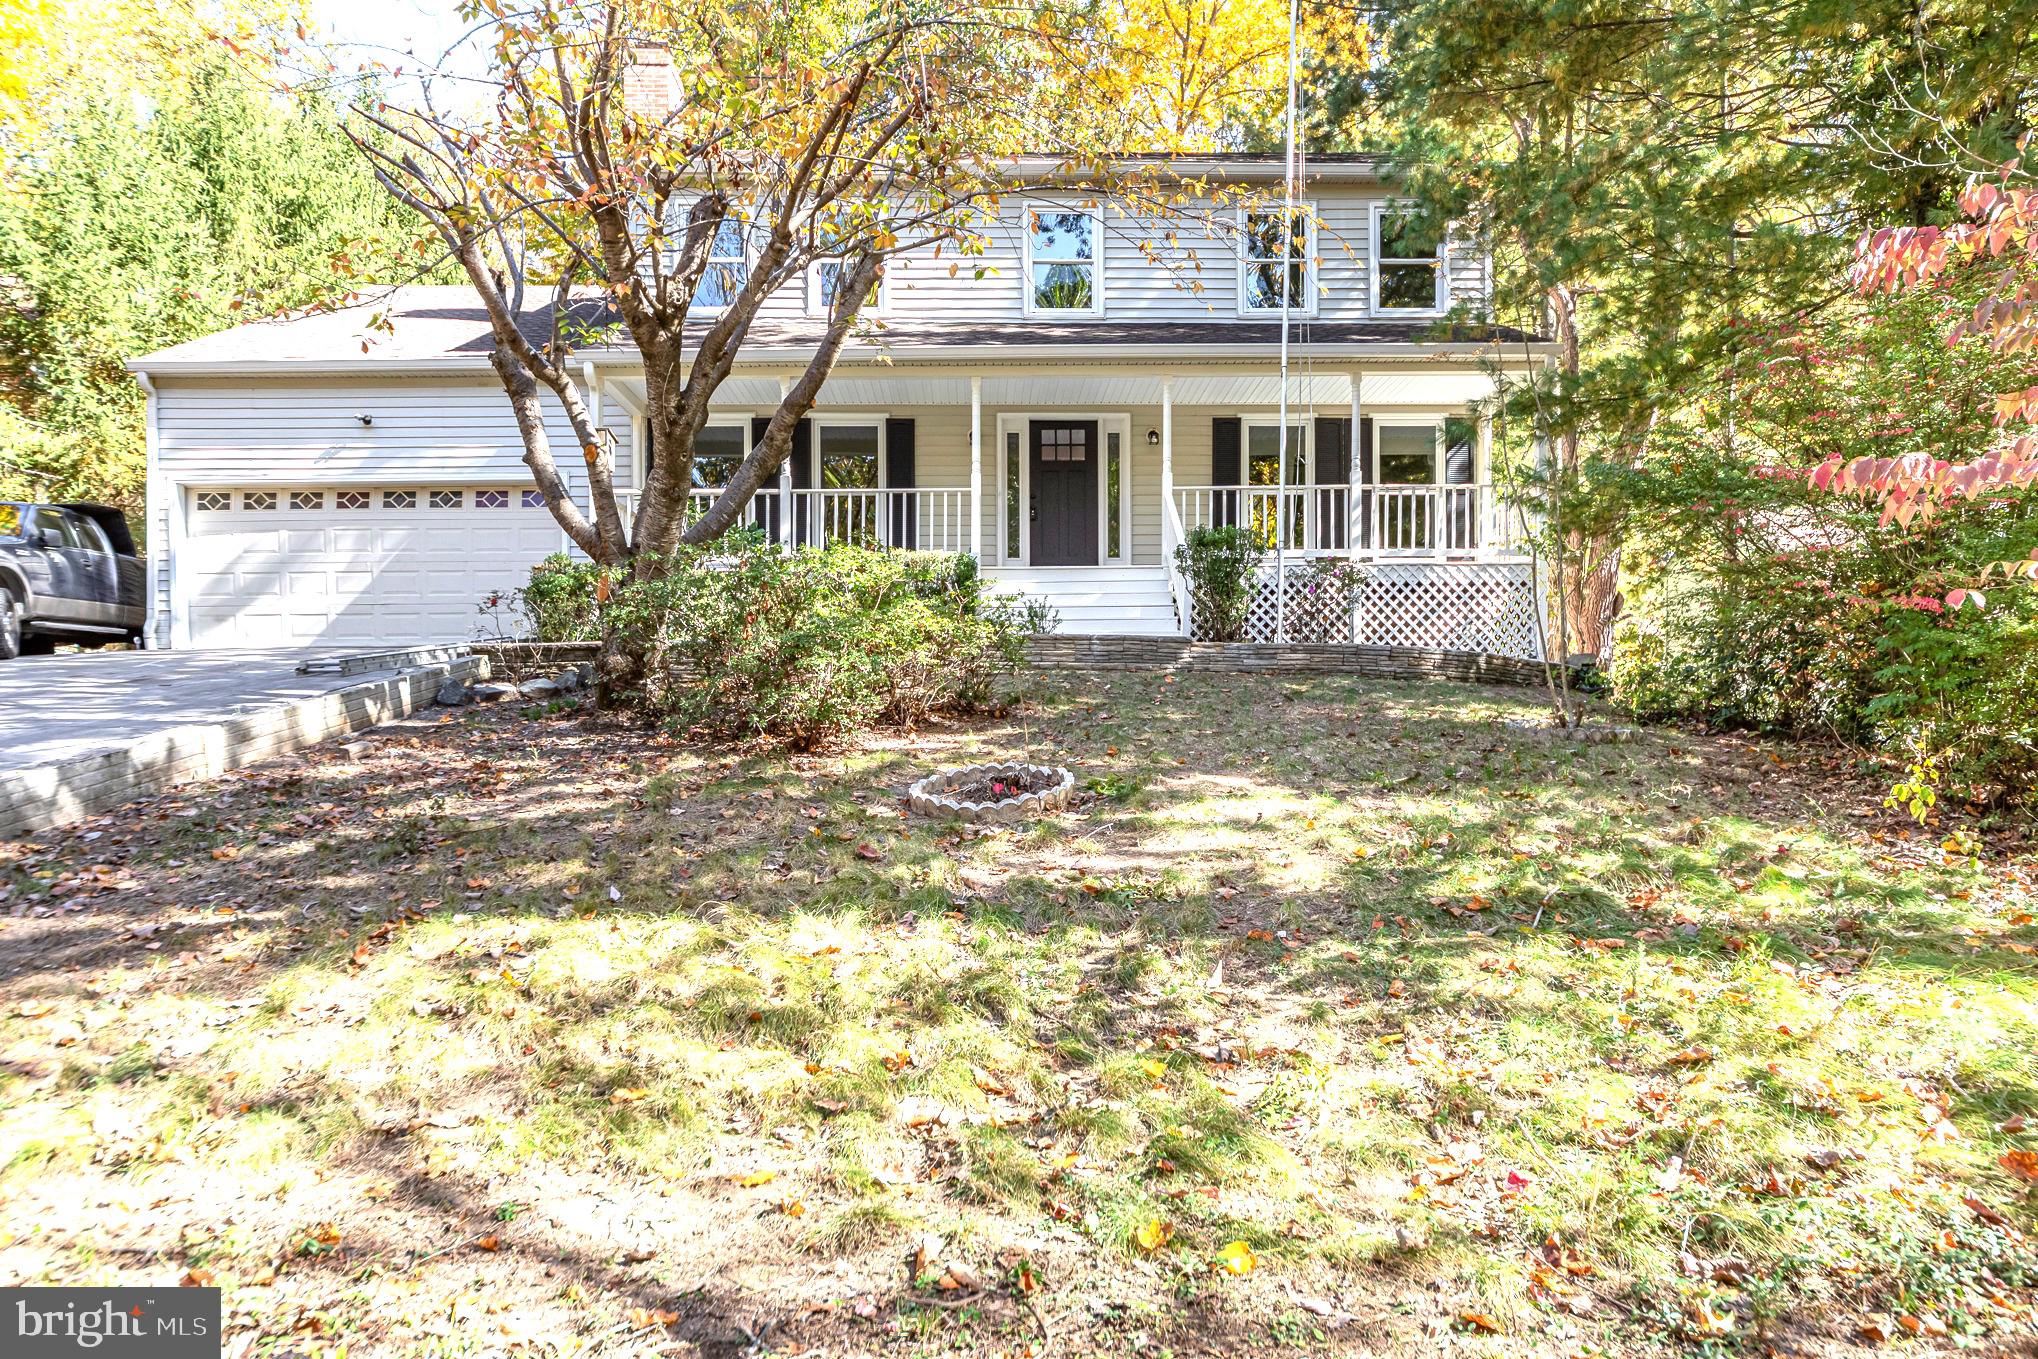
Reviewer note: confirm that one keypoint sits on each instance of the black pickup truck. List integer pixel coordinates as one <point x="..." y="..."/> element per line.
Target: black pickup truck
<point x="68" y="573"/>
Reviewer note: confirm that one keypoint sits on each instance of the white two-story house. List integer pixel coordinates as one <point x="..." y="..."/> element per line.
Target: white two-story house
<point x="1066" y="409"/>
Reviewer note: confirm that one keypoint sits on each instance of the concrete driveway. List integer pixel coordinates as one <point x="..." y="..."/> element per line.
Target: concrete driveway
<point x="55" y="708"/>
<point x="82" y="734"/>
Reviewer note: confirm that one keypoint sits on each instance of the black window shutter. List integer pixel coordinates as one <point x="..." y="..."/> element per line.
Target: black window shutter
<point x="1333" y="468"/>
<point x="803" y="456"/>
<point x="1226" y="434"/>
<point x="905" y="526"/>
<point x="764" y="506"/>
<point x="803" y="475"/>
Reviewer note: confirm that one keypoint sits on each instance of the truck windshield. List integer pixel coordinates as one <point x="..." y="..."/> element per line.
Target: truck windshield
<point x="10" y="520"/>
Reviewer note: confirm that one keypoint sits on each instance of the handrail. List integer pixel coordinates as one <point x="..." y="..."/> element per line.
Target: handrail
<point x="1178" y="589"/>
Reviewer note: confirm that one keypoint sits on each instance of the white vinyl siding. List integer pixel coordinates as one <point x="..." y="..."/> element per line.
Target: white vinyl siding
<point x="1151" y="269"/>
<point x="309" y="432"/>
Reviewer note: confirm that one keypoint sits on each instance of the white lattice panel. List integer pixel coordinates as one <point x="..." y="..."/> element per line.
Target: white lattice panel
<point x="1483" y="607"/>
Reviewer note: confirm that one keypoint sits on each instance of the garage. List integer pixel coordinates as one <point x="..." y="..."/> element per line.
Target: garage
<point x="283" y="566"/>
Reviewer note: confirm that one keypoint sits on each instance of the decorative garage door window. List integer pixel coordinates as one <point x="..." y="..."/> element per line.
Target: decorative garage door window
<point x="480" y="498"/>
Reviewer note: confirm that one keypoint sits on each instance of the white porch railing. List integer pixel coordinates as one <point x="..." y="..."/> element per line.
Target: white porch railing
<point x="929" y="518"/>
<point x="1392" y="521"/>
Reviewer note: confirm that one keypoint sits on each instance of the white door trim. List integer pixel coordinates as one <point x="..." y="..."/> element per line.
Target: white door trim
<point x="1107" y="422"/>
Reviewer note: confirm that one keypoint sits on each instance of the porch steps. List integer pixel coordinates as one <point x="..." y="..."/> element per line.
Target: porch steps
<point x="1093" y="601"/>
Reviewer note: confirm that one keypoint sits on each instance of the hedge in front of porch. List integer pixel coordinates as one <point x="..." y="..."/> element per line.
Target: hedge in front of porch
<point x="745" y="640"/>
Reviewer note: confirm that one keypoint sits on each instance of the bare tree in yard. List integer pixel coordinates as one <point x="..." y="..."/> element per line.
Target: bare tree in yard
<point x="592" y="195"/>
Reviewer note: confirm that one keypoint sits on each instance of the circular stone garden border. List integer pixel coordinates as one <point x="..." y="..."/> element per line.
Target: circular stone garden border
<point x="930" y="796"/>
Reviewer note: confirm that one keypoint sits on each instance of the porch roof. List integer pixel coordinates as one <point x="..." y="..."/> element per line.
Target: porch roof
<point x="432" y="329"/>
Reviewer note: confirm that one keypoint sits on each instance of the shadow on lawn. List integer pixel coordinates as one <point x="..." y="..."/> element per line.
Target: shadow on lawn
<point x="620" y="826"/>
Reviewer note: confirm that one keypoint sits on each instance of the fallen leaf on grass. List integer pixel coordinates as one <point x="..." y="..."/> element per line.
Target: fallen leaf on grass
<point x="1691" y="1056"/>
<point x="1152" y="1234"/>
<point x="755" y="1178"/>
<point x="792" y="1207"/>
<point x="1874" y="1330"/>
<point x="2022" y="1164"/>
<point x="628" y="1095"/>
<point x="491" y="1244"/>
<point x="650" y="1316"/>
<point x="1707" y="1320"/>
<point x="988" y="1083"/>
<point x="1236" y="1258"/>
<point x="196" y="1278"/>
<point x="1479" y="1321"/>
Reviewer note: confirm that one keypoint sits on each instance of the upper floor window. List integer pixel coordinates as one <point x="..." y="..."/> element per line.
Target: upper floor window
<point x="1408" y="263"/>
<point x="1277" y="260"/>
<point x="825" y="277"/>
<point x="728" y="266"/>
<point x="1062" y="250"/>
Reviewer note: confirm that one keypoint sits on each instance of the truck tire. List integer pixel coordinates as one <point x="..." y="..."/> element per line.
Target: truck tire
<point x="10" y="626"/>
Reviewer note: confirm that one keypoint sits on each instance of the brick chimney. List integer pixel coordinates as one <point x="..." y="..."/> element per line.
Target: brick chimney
<point x="650" y="87"/>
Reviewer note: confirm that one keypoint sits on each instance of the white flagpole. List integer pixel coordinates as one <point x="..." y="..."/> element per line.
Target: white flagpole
<point x="1287" y="246"/>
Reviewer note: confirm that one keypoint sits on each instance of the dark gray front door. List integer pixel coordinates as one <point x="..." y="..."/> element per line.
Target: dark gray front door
<point x="1064" y="492"/>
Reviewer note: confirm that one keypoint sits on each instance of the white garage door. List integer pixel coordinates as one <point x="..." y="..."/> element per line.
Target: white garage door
<point x="286" y="566"/>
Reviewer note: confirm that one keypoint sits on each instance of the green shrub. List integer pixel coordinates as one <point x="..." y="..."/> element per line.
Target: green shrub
<point x="1756" y="600"/>
<point x="559" y="603"/>
<point x="744" y="640"/>
<point x="1221" y="565"/>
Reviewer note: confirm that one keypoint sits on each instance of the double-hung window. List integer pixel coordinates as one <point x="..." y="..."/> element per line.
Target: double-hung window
<point x="1063" y="247"/>
<point x="849" y="456"/>
<point x="1268" y="510"/>
<point x="728" y="266"/>
<point x="823" y="280"/>
<point x="718" y="450"/>
<point x="1408" y="262"/>
<point x="1277" y="260"/>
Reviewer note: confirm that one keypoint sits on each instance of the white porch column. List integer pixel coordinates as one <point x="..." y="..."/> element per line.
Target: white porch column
<point x="976" y="467"/>
<point x="1355" y="513"/>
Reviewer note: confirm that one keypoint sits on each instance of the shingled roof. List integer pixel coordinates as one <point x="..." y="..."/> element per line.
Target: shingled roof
<point x="438" y="327"/>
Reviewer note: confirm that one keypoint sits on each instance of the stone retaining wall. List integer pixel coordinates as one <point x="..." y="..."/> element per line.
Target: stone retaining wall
<point x="1064" y="651"/>
<point x="1301" y="658"/>
<point x="56" y="794"/>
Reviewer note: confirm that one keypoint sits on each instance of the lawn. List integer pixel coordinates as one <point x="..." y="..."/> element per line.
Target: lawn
<point x="1338" y="1016"/>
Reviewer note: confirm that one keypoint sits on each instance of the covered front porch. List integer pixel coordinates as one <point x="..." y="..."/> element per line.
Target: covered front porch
<point x="1077" y="482"/>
